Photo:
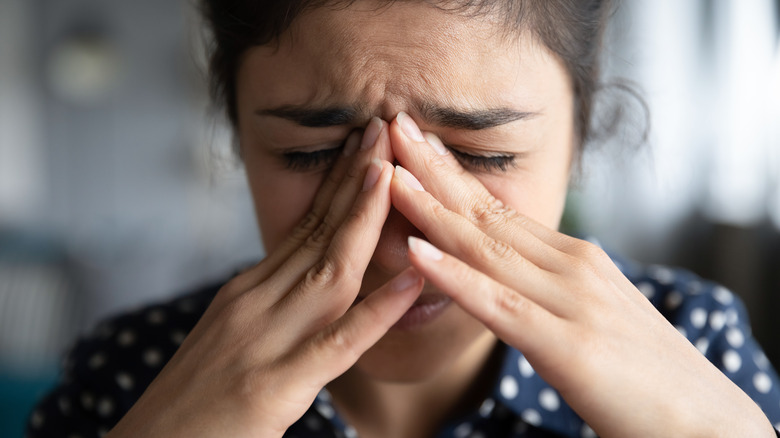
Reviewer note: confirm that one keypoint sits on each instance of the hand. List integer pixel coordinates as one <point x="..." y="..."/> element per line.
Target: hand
<point x="277" y="333"/>
<point x="561" y="301"/>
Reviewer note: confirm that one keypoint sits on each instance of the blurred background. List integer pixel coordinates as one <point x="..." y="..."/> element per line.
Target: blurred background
<point x="118" y="185"/>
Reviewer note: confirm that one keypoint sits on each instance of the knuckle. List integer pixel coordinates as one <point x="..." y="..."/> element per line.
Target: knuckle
<point x="307" y="225"/>
<point x="342" y="342"/>
<point x="321" y="235"/>
<point x="490" y="212"/>
<point x="491" y="249"/>
<point x="322" y="274"/>
<point x="508" y="303"/>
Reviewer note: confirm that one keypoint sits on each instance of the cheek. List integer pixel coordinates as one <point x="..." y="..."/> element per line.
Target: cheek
<point x="540" y="197"/>
<point x="281" y="202"/>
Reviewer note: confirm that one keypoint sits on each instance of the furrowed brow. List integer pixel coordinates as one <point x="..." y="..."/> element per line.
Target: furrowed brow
<point x="312" y="117"/>
<point x="473" y="120"/>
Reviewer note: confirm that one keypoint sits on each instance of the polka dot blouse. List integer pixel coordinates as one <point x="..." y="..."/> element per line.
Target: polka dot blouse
<point x="106" y="372"/>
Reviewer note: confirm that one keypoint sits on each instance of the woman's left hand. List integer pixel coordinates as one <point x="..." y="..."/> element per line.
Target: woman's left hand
<point x="581" y="324"/>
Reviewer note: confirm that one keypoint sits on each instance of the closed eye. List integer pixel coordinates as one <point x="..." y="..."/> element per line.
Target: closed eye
<point x="299" y="161"/>
<point x="485" y="163"/>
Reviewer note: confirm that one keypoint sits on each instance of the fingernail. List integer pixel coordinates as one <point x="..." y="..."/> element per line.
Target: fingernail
<point x="372" y="175"/>
<point x="351" y="145"/>
<point x="424" y="249"/>
<point x="408" y="179"/>
<point x="372" y="133"/>
<point x="436" y="144"/>
<point x="409" y="127"/>
<point x="405" y="280"/>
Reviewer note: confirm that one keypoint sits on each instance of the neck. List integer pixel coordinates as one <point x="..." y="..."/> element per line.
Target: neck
<point x="417" y="409"/>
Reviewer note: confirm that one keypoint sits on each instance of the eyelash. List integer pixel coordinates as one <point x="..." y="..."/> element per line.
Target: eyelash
<point x="307" y="161"/>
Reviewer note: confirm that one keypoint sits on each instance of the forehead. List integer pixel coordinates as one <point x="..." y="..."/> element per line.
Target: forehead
<point x="382" y="57"/>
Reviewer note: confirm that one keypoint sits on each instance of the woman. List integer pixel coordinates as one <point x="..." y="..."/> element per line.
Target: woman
<point x="409" y="163"/>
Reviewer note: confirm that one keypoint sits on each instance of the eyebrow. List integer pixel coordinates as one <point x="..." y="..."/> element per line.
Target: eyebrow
<point x="313" y="117"/>
<point x="472" y="120"/>
<point x="447" y="117"/>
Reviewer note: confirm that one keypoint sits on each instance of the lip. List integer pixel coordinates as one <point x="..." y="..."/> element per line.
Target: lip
<point x="427" y="308"/>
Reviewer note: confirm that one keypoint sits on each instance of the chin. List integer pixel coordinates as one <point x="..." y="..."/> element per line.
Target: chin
<point x="422" y="354"/>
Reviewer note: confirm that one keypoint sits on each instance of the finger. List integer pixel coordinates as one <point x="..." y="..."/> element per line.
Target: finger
<point x="336" y="348"/>
<point x="459" y="191"/>
<point x="314" y="238"/>
<point x="511" y="314"/>
<point x="499" y="253"/>
<point x="258" y="273"/>
<point x="331" y="285"/>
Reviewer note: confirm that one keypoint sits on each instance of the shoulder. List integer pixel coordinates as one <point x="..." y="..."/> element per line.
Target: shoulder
<point x="108" y="369"/>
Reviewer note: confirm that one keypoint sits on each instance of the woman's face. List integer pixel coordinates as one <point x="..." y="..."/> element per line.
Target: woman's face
<point x="502" y="103"/>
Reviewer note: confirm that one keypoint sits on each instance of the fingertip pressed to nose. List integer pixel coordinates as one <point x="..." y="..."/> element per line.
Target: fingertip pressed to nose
<point x="409" y="127"/>
<point x="371" y="134"/>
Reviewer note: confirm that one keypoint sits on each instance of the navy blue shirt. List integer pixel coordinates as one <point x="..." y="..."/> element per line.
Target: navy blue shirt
<point x="107" y="371"/>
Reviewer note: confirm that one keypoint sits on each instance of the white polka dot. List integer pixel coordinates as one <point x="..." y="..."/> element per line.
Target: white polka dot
<point x="695" y="287"/>
<point x="509" y="387"/>
<point x="532" y="417"/>
<point x="673" y="300"/>
<point x="64" y="405"/>
<point x="463" y="430"/>
<point x="587" y="432"/>
<point x="324" y="396"/>
<point x="96" y="361"/>
<point x="152" y="357"/>
<point x="732" y="317"/>
<point x="702" y="344"/>
<point x="549" y="400"/>
<point x="647" y="289"/>
<point x="761" y="360"/>
<point x="762" y="382"/>
<point x="125" y="381"/>
<point x="723" y="295"/>
<point x="155" y="317"/>
<point x="177" y="337"/>
<point x="662" y="274"/>
<point x="325" y="410"/>
<point x="350" y="432"/>
<point x="717" y="320"/>
<point x="486" y="408"/>
<point x="88" y="401"/>
<point x="735" y="337"/>
<point x="36" y="420"/>
<point x="698" y="317"/>
<point x="125" y="338"/>
<point x="682" y="330"/>
<point x="526" y="370"/>
<point x="732" y="361"/>
<point x="105" y="407"/>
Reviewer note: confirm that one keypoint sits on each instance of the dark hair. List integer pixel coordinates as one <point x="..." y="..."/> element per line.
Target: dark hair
<point x="572" y="29"/>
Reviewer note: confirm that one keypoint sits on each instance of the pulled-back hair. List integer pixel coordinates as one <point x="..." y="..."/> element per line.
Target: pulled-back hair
<point x="571" y="29"/>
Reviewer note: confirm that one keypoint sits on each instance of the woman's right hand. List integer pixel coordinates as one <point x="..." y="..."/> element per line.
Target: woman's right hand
<point x="277" y="333"/>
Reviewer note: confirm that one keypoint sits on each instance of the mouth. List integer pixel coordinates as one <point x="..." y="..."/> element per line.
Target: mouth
<point x="425" y="310"/>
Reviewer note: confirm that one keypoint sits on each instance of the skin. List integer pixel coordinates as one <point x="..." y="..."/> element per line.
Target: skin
<point x="319" y="310"/>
